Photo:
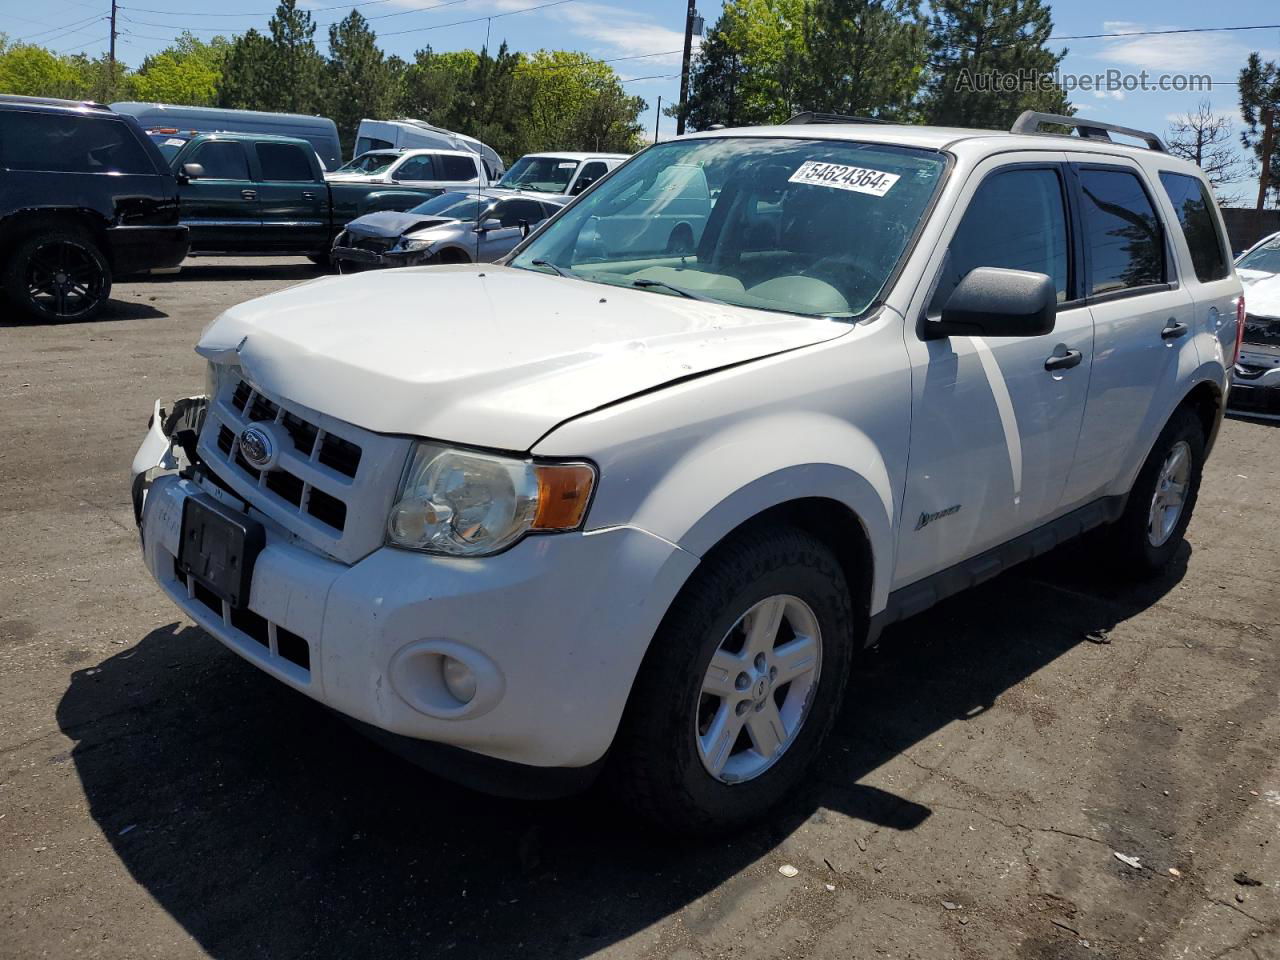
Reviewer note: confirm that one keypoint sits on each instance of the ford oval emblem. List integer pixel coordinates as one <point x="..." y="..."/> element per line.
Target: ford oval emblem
<point x="257" y="447"/>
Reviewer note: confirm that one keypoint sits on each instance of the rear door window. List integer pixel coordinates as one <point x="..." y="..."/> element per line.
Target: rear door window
<point x="455" y="169"/>
<point x="70" y="143"/>
<point x="1194" y="206"/>
<point x="1017" y="219"/>
<point x="222" y="160"/>
<point x="1122" y="234"/>
<point x="284" y="161"/>
<point x="417" y="168"/>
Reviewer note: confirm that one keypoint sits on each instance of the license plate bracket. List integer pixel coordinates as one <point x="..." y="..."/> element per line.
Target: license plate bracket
<point x="219" y="547"/>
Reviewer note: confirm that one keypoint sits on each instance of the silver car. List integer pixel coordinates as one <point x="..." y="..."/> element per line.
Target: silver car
<point x="449" y="228"/>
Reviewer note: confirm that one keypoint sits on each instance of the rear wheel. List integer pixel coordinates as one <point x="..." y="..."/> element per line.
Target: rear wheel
<point x="740" y="686"/>
<point x="58" y="275"/>
<point x="1149" y="532"/>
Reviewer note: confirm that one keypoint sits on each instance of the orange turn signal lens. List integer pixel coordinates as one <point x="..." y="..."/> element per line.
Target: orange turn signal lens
<point x="564" y="490"/>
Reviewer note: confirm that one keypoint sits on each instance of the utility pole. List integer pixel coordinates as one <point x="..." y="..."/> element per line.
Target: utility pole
<point x="108" y="86"/>
<point x="657" y="119"/>
<point x="690" y="17"/>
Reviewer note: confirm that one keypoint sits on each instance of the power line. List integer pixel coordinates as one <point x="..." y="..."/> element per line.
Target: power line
<point x="81" y="46"/>
<point x="495" y="16"/>
<point x="60" y="28"/>
<point x="378" y="16"/>
<point x="1156" y="33"/>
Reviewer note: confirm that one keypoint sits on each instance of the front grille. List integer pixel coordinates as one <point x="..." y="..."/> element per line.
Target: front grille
<point x="311" y="445"/>
<point x="372" y="244"/>
<point x="331" y="483"/>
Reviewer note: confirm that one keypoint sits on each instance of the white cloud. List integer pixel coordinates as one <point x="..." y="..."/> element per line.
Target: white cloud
<point x="1220" y="54"/>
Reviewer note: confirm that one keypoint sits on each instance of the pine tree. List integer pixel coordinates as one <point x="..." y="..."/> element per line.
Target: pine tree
<point x="297" y="66"/>
<point x="863" y="57"/>
<point x="976" y="45"/>
<point x="359" y="81"/>
<point x="1260" y="105"/>
<point x="714" y="86"/>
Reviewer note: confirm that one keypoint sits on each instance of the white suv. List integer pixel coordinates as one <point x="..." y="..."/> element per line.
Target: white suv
<point x="608" y="507"/>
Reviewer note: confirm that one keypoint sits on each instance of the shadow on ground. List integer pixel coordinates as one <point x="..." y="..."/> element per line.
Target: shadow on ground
<point x="268" y="269"/>
<point x="267" y="828"/>
<point x="112" y="310"/>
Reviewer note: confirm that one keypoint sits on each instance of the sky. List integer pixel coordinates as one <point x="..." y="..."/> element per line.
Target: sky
<point x="643" y="39"/>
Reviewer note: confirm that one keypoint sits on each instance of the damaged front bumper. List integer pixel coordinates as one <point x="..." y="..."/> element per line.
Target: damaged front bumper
<point x="168" y="448"/>
<point x="355" y="257"/>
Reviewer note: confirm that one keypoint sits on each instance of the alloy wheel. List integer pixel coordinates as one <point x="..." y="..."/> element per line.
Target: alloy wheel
<point x="1170" y="494"/>
<point x="64" y="279"/>
<point x="758" y="688"/>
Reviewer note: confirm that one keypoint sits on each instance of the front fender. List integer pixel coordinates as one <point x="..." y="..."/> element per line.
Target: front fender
<point x="738" y="473"/>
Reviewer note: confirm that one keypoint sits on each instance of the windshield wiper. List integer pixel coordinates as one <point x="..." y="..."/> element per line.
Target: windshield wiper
<point x="645" y="283"/>
<point x="559" y="271"/>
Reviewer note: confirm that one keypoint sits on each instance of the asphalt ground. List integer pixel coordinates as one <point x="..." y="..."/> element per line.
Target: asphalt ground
<point x="160" y="797"/>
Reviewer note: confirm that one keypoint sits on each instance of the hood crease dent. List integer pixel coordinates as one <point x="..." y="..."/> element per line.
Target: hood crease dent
<point x="486" y="355"/>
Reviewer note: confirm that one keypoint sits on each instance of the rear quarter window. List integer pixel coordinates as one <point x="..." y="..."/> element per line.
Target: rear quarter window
<point x="70" y="143"/>
<point x="1194" y="207"/>
<point x="455" y="169"/>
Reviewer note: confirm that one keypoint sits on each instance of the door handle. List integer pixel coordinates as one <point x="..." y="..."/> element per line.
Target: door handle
<point x="308" y="196"/>
<point x="1064" y="361"/>
<point x="249" y="194"/>
<point x="1173" y="329"/>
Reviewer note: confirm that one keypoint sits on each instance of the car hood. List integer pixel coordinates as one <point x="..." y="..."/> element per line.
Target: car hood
<point x="1249" y="276"/>
<point x="482" y="354"/>
<point x="392" y="223"/>
<point x="1262" y="297"/>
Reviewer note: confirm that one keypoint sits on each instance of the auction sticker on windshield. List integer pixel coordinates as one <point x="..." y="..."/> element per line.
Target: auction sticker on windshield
<point x="842" y="177"/>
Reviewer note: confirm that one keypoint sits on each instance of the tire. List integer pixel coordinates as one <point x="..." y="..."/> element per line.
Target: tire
<point x="1137" y="545"/>
<point x="657" y="764"/>
<point x="57" y="275"/>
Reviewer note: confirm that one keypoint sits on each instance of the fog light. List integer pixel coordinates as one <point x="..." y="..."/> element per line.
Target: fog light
<point x="459" y="680"/>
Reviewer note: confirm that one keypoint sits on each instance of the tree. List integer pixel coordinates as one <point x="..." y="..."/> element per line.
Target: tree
<point x="359" y="81"/>
<point x="33" y="71"/>
<point x="282" y="72"/>
<point x="1260" y="105"/>
<point x="715" y="84"/>
<point x="1204" y="138"/>
<point x="572" y="102"/>
<point x="863" y="57"/>
<point x="980" y="47"/>
<point x="752" y="62"/>
<point x="189" y="72"/>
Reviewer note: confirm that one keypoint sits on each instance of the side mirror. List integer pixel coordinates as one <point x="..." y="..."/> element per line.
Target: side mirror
<point x="582" y="184"/>
<point x="524" y="228"/>
<point x="996" y="302"/>
<point x="191" y="171"/>
<point x="491" y="224"/>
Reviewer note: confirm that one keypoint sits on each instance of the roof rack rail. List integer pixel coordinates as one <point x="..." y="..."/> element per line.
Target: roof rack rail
<point x="811" y="116"/>
<point x="1031" y="121"/>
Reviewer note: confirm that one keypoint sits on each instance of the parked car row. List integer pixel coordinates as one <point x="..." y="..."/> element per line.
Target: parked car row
<point x="91" y="192"/>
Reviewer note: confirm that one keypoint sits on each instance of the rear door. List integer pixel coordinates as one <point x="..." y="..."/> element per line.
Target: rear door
<point x="1142" y="314"/>
<point x="293" y="199"/>
<point x="221" y="207"/>
<point x="588" y="173"/>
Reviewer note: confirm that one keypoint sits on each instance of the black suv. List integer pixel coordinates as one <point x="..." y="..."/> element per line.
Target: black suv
<point x="84" y="196"/>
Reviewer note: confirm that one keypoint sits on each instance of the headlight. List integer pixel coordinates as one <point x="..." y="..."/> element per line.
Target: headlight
<point x="464" y="503"/>
<point x="409" y="246"/>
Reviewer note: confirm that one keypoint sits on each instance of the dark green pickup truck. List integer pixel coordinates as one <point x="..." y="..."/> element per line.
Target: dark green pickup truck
<point x="258" y="194"/>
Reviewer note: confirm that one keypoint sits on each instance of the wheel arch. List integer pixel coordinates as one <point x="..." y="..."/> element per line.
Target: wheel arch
<point x="22" y="223"/>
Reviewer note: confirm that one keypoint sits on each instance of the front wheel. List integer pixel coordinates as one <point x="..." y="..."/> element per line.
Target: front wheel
<point x="60" y="275"/>
<point x="741" y="684"/>
<point x="1149" y="532"/>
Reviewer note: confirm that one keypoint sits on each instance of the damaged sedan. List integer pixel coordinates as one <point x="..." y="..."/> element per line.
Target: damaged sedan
<point x="450" y="228"/>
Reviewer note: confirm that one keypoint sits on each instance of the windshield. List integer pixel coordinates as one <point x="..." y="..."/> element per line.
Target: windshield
<point x="813" y="227"/>
<point x="543" y="174"/>
<point x="1265" y="258"/>
<point x="369" y="163"/>
<point x="169" y="144"/>
<point x="454" y="206"/>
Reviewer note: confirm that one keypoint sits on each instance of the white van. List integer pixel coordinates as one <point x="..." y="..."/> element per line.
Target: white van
<point x="404" y="133"/>
<point x="163" y="120"/>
